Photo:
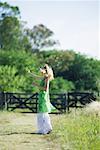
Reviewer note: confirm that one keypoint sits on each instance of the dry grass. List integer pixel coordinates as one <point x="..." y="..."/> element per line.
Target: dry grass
<point x="93" y="108"/>
<point x="17" y="133"/>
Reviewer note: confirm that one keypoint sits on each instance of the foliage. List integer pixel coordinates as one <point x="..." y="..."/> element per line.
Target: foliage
<point x="10" y="81"/>
<point x="16" y="64"/>
<point x="84" y="72"/>
<point x="14" y="35"/>
<point x="20" y="59"/>
<point x="10" y="33"/>
<point x="8" y="10"/>
<point x="40" y="37"/>
<point x="58" y="60"/>
<point x="21" y="48"/>
<point x="61" y="85"/>
<point x="70" y="73"/>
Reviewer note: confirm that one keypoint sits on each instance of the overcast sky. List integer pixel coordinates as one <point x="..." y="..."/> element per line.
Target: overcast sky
<point x="74" y="23"/>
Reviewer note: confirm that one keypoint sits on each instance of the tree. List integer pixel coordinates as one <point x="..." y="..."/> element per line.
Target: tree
<point x="40" y="37"/>
<point x="13" y="35"/>
<point x="12" y="32"/>
<point x="9" y="25"/>
<point x="7" y="10"/>
<point x="10" y="82"/>
<point x="59" y="60"/>
<point x="13" y="71"/>
<point x="84" y="73"/>
<point x="61" y="85"/>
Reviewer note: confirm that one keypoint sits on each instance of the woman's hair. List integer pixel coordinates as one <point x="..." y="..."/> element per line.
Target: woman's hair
<point x="49" y="72"/>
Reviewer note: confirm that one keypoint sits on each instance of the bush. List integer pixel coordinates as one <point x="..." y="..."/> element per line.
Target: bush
<point x="13" y="71"/>
<point x="10" y="81"/>
<point x="61" y="85"/>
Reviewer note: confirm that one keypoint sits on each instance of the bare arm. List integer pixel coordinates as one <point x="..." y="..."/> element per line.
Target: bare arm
<point x="34" y="75"/>
<point x="46" y="84"/>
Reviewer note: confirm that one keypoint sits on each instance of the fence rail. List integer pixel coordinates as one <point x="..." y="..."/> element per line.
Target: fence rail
<point x="62" y="101"/>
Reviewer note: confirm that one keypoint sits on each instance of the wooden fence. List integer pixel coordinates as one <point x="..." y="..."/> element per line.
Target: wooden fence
<point x="62" y="101"/>
<point x="79" y="99"/>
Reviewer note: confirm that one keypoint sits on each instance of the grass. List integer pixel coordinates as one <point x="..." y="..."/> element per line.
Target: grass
<point x="78" y="130"/>
<point x="17" y="132"/>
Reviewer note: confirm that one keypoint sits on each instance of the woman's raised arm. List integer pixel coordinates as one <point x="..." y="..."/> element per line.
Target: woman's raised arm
<point x="34" y="75"/>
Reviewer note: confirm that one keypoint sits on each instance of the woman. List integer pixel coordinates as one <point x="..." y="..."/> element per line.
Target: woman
<point x="44" y="106"/>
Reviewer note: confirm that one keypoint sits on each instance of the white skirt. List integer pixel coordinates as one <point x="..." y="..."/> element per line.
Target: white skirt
<point x="43" y="123"/>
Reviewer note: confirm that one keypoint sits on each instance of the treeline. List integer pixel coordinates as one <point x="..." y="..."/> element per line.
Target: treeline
<point x="72" y="71"/>
<point x="22" y="49"/>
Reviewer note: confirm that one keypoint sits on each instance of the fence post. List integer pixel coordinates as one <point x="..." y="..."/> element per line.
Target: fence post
<point x="1" y="100"/>
<point x="68" y="99"/>
<point x="36" y="102"/>
<point x="5" y="101"/>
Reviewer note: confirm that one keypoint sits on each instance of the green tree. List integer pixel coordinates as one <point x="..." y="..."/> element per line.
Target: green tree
<point x="84" y="72"/>
<point x="58" y="60"/>
<point x="12" y="35"/>
<point x="20" y="60"/>
<point x="12" y="31"/>
<point x="10" y="81"/>
<point x="8" y="10"/>
<point x="61" y="85"/>
<point x="40" y="37"/>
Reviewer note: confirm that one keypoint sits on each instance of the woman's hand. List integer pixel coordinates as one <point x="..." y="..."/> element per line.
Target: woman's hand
<point x="34" y="75"/>
<point x="31" y="73"/>
<point x="28" y="71"/>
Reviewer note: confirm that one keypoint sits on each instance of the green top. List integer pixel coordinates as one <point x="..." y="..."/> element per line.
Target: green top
<point x="44" y="101"/>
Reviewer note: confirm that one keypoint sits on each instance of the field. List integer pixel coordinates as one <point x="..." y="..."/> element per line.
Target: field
<point x="78" y="130"/>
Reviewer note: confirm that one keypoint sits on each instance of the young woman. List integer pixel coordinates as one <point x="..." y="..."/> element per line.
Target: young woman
<point x="44" y="106"/>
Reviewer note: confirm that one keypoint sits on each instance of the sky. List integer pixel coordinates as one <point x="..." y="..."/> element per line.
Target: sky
<point x="75" y="23"/>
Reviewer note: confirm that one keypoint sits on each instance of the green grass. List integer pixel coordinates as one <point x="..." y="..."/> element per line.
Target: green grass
<point x="78" y="130"/>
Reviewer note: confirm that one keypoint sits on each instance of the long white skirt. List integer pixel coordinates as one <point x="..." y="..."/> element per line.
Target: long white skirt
<point x="43" y="123"/>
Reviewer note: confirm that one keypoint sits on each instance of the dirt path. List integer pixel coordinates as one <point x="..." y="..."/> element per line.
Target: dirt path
<point x="17" y="133"/>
